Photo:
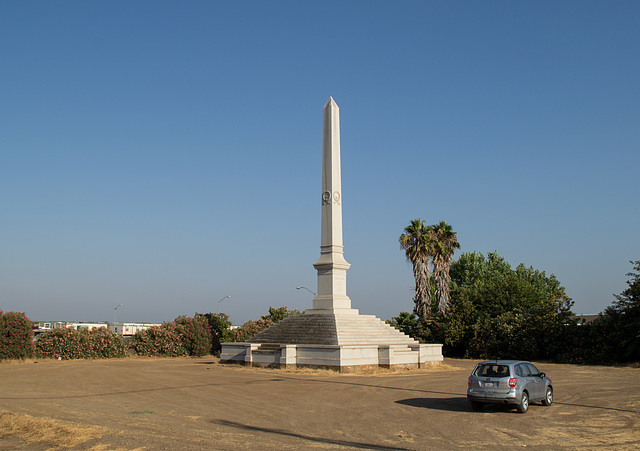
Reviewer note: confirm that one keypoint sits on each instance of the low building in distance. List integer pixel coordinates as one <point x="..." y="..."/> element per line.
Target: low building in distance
<point x="128" y="329"/>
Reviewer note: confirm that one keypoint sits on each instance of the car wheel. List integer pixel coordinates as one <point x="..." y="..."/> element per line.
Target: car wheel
<point x="548" y="398"/>
<point x="477" y="406"/>
<point x="524" y="403"/>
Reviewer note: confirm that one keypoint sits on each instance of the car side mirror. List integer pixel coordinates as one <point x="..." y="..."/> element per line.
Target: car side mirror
<point x="542" y="375"/>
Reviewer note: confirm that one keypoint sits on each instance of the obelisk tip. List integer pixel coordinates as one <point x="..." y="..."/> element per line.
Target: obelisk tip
<point x="331" y="103"/>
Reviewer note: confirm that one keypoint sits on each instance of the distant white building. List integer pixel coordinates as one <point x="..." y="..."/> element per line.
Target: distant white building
<point x="50" y="326"/>
<point x="128" y="329"/>
<point x="586" y="319"/>
<point x="124" y="329"/>
<point x="85" y="326"/>
<point x="43" y="327"/>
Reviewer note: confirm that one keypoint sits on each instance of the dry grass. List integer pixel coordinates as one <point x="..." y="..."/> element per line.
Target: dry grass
<point x="54" y="434"/>
<point x="376" y="371"/>
<point x="437" y="368"/>
<point x="18" y="361"/>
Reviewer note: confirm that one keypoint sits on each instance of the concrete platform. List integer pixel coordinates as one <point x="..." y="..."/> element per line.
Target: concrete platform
<point x="341" y="341"/>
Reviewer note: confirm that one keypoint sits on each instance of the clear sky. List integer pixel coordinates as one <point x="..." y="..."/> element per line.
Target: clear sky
<point x="163" y="155"/>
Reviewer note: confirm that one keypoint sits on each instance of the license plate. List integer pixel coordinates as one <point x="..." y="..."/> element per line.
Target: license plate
<point x="488" y="384"/>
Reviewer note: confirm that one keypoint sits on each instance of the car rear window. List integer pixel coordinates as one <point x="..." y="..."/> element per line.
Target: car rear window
<point x="491" y="370"/>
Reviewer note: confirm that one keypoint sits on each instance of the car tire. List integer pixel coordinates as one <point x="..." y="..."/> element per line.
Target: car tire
<point x="548" y="398"/>
<point x="477" y="406"/>
<point x="523" y="406"/>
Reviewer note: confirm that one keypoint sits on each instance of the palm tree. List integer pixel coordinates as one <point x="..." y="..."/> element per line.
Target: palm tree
<point x="445" y="242"/>
<point x="417" y="244"/>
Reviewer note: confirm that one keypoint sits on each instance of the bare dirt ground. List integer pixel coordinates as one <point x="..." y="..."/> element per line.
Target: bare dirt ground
<point x="182" y="404"/>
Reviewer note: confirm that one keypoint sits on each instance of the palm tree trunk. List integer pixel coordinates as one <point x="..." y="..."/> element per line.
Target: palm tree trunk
<point x="443" y="293"/>
<point x="423" y="288"/>
<point x="438" y="274"/>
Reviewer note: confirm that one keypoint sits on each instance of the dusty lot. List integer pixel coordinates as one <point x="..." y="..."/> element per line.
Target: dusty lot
<point x="200" y="404"/>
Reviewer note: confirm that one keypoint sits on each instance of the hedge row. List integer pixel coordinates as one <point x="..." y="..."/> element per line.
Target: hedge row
<point x="16" y="336"/>
<point x="183" y="337"/>
<point x="68" y="344"/>
<point x="249" y="329"/>
<point x="186" y="336"/>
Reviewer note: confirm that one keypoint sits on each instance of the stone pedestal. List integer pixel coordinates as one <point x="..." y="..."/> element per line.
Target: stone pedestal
<point x="344" y="342"/>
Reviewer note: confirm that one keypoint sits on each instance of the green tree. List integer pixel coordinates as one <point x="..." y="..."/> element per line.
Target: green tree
<point x="252" y="327"/>
<point x="418" y="246"/>
<point x="496" y="311"/>
<point x="425" y="330"/>
<point x="627" y="309"/>
<point x="445" y="242"/>
<point x="278" y="314"/>
<point x="618" y="335"/>
<point x="405" y="322"/>
<point x="220" y="327"/>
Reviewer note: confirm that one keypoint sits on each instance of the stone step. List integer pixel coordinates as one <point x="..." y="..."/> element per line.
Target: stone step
<point x="332" y="329"/>
<point x="268" y="348"/>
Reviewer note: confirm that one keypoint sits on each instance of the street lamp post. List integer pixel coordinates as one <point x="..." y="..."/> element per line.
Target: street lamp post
<point x="305" y="288"/>
<point x="114" y="312"/>
<point x="221" y="301"/>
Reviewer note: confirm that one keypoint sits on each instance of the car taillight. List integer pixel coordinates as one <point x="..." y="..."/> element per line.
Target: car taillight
<point x="512" y="382"/>
<point x="469" y="381"/>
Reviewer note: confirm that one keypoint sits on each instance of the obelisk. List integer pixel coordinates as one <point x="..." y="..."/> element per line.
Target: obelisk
<point x="331" y="334"/>
<point x="332" y="267"/>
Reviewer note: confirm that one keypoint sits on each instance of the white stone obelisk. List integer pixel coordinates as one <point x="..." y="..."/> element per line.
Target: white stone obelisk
<point x="331" y="267"/>
<point x="332" y="334"/>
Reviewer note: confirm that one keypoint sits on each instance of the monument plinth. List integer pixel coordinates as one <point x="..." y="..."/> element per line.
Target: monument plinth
<point x="331" y="334"/>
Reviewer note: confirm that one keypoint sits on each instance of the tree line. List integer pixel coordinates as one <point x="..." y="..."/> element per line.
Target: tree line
<point x="477" y="306"/>
<point x="480" y="307"/>
<point x="196" y="336"/>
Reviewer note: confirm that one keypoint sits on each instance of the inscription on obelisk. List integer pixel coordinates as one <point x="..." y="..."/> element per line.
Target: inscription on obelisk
<point x="331" y="267"/>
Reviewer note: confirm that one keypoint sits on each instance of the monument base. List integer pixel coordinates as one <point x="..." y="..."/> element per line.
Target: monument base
<point x="340" y="341"/>
<point x="344" y="359"/>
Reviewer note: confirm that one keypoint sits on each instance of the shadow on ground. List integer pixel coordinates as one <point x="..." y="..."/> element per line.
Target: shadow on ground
<point x="281" y="432"/>
<point x="448" y="404"/>
<point x="455" y="405"/>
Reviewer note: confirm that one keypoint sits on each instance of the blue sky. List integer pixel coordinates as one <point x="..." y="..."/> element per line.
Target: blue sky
<point x="164" y="155"/>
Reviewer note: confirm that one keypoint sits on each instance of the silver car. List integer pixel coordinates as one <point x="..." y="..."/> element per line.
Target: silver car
<point x="508" y="382"/>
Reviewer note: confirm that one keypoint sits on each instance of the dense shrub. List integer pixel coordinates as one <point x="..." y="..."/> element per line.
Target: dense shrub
<point x="588" y="343"/>
<point x="612" y="338"/>
<point x="249" y="329"/>
<point x="220" y="327"/>
<point x="278" y="314"/>
<point x="425" y="330"/>
<point x="183" y="337"/>
<point x="195" y="335"/>
<point x="505" y="337"/>
<point x="16" y="336"/>
<point x="252" y="327"/>
<point x="622" y="319"/>
<point x="161" y="340"/>
<point x="406" y="323"/>
<point x="69" y="343"/>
